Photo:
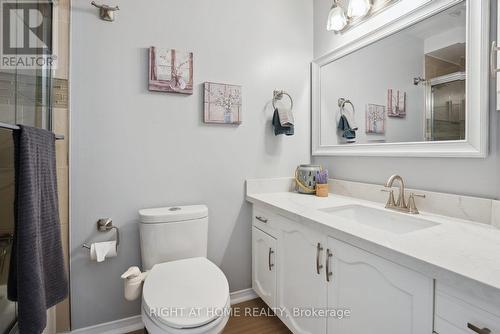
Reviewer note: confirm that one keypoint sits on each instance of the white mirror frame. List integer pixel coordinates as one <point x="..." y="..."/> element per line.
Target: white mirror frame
<point x="477" y="88"/>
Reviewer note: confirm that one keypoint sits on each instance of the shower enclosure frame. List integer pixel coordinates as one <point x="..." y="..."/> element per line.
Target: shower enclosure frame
<point x="429" y="100"/>
<point x="30" y="97"/>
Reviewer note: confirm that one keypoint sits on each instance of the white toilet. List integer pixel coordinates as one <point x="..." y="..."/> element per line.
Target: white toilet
<point x="184" y="292"/>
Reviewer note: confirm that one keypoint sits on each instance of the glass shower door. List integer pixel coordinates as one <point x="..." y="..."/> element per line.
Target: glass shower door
<point x="7" y="115"/>
<point x="24" y="99"/>
<point x="446" y="106"/>
<point x="8" y="82"/>
<point x="448" y="121"/>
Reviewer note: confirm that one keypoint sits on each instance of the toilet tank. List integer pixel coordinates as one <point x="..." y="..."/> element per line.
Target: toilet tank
<point x="173" y="233"/>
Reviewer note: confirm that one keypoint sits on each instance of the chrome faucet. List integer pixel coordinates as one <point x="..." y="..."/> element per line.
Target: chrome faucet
<point x="400" y="204"/>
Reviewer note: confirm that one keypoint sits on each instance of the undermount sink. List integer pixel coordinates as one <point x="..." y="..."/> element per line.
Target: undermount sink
<point x="398" y="223"/>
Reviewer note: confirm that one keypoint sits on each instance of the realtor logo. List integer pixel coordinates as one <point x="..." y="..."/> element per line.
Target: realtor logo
<point x="27" y="38"/>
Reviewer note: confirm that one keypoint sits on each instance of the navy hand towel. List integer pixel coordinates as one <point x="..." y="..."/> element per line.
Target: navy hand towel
<point x="348" y="132"/>
<point x="37" y="275"/>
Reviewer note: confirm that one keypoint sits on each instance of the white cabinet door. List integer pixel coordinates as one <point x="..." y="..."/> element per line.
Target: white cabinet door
<point x="301" y="282"/>
<point x="496" y="63"/>
<point x="264" y="266"/>
<point x="382" y="297"/>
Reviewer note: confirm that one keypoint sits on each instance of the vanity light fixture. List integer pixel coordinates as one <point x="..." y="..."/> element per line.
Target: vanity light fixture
<point x="358" y="8"/>
<point x="337" y="20"/>
<point x="348" y="13"/>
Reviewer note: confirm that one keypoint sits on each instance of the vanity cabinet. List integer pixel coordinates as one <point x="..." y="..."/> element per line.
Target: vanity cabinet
<point x="314" y="272"/>
<point x="264" y="266"/>
<point x="382" y="297"/>
<point x="462" y="313"/>
<point x="495" y="54"/>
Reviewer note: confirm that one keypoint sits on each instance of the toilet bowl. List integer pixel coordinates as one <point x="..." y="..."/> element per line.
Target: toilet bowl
<point x="183" y="292"/>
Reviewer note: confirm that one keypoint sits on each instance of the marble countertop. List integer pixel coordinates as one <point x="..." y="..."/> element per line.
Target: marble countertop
<point x="450" y="251"/>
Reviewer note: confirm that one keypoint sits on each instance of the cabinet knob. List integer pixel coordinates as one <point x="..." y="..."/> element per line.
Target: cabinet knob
<point x="478" y="330"/>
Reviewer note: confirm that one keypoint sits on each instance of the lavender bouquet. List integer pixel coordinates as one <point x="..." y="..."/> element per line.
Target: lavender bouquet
<point x="322" y="177"/>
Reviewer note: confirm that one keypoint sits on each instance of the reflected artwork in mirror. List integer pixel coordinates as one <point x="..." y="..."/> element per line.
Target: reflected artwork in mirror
<point x="411" y="84"/>
<point x="410" y="87"/>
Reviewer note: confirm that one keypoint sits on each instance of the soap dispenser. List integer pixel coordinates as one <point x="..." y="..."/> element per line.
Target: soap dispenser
<point x="133" y="278"/>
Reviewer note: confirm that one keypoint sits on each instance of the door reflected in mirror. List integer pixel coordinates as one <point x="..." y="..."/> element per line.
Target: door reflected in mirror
<point x="407" y="87"/>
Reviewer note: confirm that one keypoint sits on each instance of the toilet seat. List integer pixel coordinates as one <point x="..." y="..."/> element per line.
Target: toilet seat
<point x="215" y="327"/>
<point x="186" y="295"/>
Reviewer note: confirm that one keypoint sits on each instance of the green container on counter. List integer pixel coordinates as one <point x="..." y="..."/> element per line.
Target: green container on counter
<point x="305" y="177"/>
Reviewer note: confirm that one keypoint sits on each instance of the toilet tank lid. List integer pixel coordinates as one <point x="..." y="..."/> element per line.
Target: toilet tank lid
<point x="173" y="214"/>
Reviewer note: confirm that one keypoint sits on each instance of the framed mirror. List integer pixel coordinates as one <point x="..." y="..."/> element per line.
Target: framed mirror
<point x="418" y="86"/>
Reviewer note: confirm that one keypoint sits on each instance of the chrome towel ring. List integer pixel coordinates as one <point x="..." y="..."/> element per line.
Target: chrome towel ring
<point x="342" y="103"/>
<point x="278" y="96"/>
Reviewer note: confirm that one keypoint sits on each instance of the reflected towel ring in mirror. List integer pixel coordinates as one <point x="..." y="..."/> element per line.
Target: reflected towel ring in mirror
<point x="342" y="103"/>
<point x="278" y="96"/>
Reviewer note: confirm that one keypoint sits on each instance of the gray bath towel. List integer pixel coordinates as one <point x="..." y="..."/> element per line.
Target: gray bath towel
<point x="37" y="276"/>
<point x="279" y="129"/>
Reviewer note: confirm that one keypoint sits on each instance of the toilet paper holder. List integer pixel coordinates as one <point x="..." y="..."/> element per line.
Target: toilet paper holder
<point x="106" y="225"/>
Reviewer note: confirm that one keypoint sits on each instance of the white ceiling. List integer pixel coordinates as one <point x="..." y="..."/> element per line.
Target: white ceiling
<point x="454" y="53"/>
<point x="452" y="18"/>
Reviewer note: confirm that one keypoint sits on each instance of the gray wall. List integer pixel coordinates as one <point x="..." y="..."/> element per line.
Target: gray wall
<point x="132" y="148"/>
<point x="477" y="177"/>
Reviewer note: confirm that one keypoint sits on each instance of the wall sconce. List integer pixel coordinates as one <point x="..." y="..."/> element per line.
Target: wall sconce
<point x="347" y="13"/>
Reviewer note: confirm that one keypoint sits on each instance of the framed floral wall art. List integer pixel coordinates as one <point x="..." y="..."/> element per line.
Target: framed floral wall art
<point x="170" y="71"/>
<point x="222" y="103"/>
<point x="396" y="103"/>
<point x="375" y="119"/>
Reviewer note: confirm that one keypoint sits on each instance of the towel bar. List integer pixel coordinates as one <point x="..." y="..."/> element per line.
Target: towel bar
<point x="7" y="238"/>
<point x="16" y="127"/>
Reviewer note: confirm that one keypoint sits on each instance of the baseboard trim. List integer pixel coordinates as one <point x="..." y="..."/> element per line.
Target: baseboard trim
<point x="114" y="327"/>
<point x="135" y="323"/>
<point x="242" y="296"/>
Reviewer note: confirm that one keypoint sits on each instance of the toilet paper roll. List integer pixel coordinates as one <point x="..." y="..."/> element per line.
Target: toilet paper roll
<point x="100" y="251"/>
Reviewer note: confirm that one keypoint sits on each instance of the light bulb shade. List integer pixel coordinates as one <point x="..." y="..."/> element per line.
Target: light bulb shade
<point x="337" y="19"/>
<point x="358" y="8"/>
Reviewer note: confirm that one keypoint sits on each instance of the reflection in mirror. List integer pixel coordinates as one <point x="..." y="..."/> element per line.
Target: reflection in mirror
<point x="407" y="87"/>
